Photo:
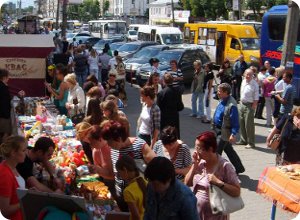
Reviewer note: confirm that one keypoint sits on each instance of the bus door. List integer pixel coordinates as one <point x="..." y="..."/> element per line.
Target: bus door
<point x="189" y="36"/>
<point x="233" y="49"/>
<point x="221" y="36"/>
<point x="152" y="35"/>
<point x="207" y="39"/>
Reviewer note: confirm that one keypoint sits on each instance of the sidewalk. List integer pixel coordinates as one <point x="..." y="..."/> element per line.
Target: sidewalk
<point x="254" y="160"/>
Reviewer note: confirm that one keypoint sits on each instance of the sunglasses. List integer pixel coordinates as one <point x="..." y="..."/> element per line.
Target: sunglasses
<point x="113" y="75"/>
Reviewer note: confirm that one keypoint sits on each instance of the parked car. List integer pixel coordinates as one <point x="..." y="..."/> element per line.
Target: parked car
<point x="141" y="57"/>
<point x="92" y="41"/>
<point x="129" y="49"/>
<point x="116" y="45"/>
<point x="70" y="36"/>
<point x="185" y="58"/>
<point x="100" y="44"/>
<point x="132" y="35"/>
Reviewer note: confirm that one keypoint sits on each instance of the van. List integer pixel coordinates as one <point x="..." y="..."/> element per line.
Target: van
<point x="222" y="41"/>
<point x="160" y="34"/>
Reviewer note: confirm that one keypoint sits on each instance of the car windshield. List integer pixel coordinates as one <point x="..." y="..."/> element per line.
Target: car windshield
<point x="115" y="46"/>
<point x="101" y="43"/>
<point x="172" y="38"/>
<point x="70" y="35"/>
<point x="132" y="32"/>
<point x="128" y="47"/>
<point x="250" y="43"/>
<point x="166" y="56"/>
<point x="146" y="53"/>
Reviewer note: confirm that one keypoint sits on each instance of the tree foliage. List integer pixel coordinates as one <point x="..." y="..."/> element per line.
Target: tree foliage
<point x="88" y="10"/>
<point x="206" y="8"/>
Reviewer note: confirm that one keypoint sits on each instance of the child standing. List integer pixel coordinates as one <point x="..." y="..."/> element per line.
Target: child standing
<point x="135" y="193"/>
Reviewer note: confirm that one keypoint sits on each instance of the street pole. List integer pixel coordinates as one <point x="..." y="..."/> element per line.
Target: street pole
<point x="172" y="8"/>
<point x="57" y="15"/>
<point x="290" y="36"/>
<point x="64" y="18"/>
<point x="240" y="9"/>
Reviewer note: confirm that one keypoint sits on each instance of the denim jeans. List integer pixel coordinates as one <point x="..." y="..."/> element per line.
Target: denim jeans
<point x="81" y="77"/>
<point x="200" y="110"/>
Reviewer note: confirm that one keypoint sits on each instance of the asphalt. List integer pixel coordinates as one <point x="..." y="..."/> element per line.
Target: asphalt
<point x="254" y="160"/>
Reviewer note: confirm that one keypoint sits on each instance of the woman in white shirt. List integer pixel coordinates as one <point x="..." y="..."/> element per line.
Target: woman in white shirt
<point x="93" y="61"/>
<point x="76" y="97"/>
<point x="149" y="120"/>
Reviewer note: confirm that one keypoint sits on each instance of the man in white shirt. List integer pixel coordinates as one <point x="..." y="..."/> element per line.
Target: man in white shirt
<point x="112" y="62"/>
<point x="249" y="99"/>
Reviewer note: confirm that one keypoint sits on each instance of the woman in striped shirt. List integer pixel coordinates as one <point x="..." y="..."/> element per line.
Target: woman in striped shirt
<point x="175" y="150"/>
<point x="121" y="144"/>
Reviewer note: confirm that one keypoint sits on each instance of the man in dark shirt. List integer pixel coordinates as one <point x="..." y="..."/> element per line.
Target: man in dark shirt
<point x="169" y="101"/>
<point x="41" y="153"/>
<point x="5" y="128"/>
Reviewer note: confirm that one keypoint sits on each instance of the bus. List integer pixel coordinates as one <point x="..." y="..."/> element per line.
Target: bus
<point x="222" y="41"/>
<point x="108" y="28"/>
<point x="257" y="25"/>
<point x="160" y="34"/>
<point x="272" y="36"/>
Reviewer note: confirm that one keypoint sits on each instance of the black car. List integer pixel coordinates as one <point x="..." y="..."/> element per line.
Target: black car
<point x="92" y="41"/>
<point x="185" y="58"/>
<point x="100" y="44"/>
<point x="127" y="50"/>
<point x="140" y="58"/>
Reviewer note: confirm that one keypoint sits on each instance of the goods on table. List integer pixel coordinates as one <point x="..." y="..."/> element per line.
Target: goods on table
<point x="95" y="190"/>
<point x="290" y="171"/>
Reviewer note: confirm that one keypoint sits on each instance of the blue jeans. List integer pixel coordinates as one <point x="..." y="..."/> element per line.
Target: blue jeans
<point x="81" y="77"/>
<point x="199" y="96"/>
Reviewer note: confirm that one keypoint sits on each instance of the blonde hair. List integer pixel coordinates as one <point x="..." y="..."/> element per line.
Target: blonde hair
<point x="10" y="144"/>
<point x="279" y="71"/>
<point x="111" y="106"/>
<point x="82" y="129"/>
<point x="197" y="62"/>
<point x="71" y="78"/>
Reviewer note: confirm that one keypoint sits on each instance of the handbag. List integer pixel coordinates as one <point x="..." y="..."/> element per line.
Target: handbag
<point x="79" y="116"/>
<point x="276" y="139"/>
<point x="222" y="203"/>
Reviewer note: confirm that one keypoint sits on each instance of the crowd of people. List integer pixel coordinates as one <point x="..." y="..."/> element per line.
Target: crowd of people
<point x="156" y="150"/>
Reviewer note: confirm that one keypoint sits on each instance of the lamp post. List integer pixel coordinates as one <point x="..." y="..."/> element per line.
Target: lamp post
<point x="172" y="8"/>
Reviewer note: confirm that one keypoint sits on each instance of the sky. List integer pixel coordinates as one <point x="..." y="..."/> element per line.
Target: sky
<point x="25" y="3"/>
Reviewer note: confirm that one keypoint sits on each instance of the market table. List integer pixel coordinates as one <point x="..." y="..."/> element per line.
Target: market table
<point x="281" y="185"/>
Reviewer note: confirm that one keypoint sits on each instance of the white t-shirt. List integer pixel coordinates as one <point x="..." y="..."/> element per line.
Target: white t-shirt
<point x="20" y="181"/>
<point x="280" y="85"/>
<point x="112" y="63"/>
<point x="145" y="121"/>
<point x="93" y="62"/>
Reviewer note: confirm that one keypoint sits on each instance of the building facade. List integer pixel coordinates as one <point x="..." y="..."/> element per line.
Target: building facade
<point x="160" y="11"/>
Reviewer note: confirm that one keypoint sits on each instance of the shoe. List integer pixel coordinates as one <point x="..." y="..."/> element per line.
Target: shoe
<point x="240" y="171"/>
<point x="260" y="117"/>
<point x="205" y="121"/>
<point x="240" y="143"/>
<point x="248" y="146"/>
<point x="200" y="117"/>
<point x="192" y="115"/>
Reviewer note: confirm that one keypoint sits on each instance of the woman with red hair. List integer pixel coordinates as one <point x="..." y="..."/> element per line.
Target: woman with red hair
<point x="210" y="168"/>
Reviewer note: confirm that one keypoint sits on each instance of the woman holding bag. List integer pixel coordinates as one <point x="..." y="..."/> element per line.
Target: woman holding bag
<point x="76" y="98"/>
<point x="209" y="168"/>
<point x="288" y="126"/>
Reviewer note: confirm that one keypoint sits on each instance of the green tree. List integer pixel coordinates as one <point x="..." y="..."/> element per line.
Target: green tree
<point x="105" y="7"/>
<point x="88" y="10"/>
<point x="255" y="6"/>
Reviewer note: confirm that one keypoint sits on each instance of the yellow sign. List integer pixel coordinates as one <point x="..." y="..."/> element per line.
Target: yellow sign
<point x="25" y="68"/>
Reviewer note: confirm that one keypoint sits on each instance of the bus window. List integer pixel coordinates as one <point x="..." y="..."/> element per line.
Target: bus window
<point x="235" y="44"/>
<point x="158" y="40"/>
<point x="202" y="36"/>
<point x="276" y="27"/>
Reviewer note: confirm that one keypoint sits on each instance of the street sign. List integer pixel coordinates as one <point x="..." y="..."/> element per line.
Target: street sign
<point x="235" y="5"/>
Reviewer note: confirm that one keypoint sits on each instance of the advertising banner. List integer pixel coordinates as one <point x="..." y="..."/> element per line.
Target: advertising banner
<point x="24" y="68"/>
